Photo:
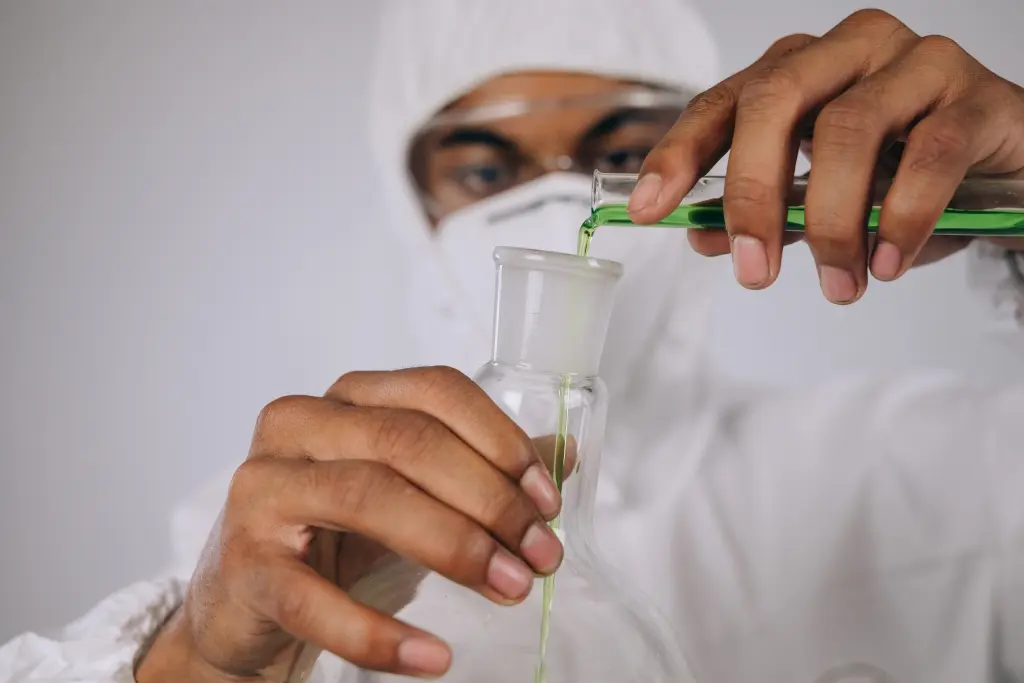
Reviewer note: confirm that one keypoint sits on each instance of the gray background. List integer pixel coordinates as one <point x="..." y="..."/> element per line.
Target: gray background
<point x="182" y="199"/>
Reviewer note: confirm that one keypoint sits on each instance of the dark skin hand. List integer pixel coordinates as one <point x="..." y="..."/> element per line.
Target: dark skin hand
<point x="415" y="463"/>
<point x="870" y="96"/>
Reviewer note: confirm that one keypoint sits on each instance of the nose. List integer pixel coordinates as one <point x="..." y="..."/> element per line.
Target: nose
<point x="558" y="162"/>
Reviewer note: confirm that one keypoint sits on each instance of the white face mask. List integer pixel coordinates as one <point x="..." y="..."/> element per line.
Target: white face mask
<point x="546" y="214"/>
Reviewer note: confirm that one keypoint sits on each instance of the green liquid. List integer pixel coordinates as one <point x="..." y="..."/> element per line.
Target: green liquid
<point x="557" y="474"/>
<point x="963" y="222"/>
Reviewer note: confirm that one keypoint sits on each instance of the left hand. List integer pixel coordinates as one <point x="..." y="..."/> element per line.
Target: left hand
<point x="851" y="94"/>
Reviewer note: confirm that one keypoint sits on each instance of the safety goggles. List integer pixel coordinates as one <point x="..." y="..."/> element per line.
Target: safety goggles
<point x="462" y="156"/>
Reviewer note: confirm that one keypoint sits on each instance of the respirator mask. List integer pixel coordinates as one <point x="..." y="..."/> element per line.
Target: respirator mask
<point x="546" y="214"/>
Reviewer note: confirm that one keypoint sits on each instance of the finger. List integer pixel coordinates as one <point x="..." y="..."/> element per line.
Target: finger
<point x="548" y="447"/>
<point x="312" y="610"/>
<point x="708" y="242"/>
<point x="849" y="135"/>
<point x="716" y="243"/>
<point x="374" y="501"/>
<point x="466" y="410"/>
<point x="425" y="452"/>
<point x="697" y="141"/>
<point x="938" y="153"/>
<point x="766" y="140"/>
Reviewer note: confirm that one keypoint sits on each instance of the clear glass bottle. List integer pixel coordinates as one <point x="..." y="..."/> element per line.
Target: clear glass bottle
<point x="551" y="316"/>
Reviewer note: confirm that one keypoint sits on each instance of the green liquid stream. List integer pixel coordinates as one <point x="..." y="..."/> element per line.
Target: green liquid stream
<point x="963" y="222"/>
<point x="558" y="475"/>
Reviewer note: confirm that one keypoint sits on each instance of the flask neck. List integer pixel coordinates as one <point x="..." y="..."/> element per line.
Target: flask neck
<point x="551" y="311"/>
<point x="552" y="408"/>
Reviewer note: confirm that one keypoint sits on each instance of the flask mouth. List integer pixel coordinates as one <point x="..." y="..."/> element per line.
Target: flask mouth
<point x="552" y="310"/>
<point x="515" y="257"/>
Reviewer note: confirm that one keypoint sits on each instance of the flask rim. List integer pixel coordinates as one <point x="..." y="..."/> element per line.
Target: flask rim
<point x="536" y="259"/>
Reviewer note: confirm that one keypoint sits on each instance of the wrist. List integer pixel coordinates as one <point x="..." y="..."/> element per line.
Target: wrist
<point x="172" y="657"/>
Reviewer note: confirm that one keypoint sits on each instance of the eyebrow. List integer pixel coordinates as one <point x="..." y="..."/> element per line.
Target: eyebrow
<point x="617" y="119"/>
<point x="476" y="136"/>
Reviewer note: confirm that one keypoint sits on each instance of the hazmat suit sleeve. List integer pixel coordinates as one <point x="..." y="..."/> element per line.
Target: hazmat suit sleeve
<point x="105" y="644"/>
<point x="870" y="529"/>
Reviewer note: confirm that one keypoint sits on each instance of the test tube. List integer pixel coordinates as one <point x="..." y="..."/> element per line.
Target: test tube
<point x="989" y="206"/>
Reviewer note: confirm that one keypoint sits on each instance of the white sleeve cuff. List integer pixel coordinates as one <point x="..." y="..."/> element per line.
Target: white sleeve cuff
<point x="998" y="274"/>
<point x="103" y="646"/>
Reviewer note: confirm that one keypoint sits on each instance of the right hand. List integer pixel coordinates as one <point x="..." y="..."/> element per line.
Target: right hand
<point x="419" y="463"/>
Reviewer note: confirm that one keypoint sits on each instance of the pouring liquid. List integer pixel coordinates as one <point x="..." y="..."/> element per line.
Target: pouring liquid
<point x="558" y="475"/>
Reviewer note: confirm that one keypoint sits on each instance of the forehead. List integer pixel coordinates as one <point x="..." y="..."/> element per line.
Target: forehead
<point x="536" y="85"/>
<point x="548" y="127"/>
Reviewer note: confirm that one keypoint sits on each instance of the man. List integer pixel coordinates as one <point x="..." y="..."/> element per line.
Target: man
<point x="868" y="528"/>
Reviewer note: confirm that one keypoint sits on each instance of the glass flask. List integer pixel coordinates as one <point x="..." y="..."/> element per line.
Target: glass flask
<point x="551" y="317"/>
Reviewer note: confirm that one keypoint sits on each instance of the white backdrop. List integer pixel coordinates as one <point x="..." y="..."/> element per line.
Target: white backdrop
<point x="181" y="184"/>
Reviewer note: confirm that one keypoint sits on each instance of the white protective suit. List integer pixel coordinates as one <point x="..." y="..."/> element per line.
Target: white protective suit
<point x="871" y="530"/>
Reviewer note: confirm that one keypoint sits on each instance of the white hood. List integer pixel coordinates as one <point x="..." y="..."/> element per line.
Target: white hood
<point x="429" y="53"/>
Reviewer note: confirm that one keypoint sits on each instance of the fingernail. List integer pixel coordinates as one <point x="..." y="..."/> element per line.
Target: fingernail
<point x="645" y="193"/>
<point x="508" y="576"/>
<point x="838" y="286"/>
<point x="887" y="261"/>
<point x="749" y="261"/>
<point x="541" y="489"/>
<point x="542" y="548"/>
<point x="424" y="655"/>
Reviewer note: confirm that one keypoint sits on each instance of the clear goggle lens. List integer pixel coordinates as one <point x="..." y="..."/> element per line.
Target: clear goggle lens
<point x="462" y="156"/>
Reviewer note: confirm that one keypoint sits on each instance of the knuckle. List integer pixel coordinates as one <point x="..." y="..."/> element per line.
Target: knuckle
<point x="832" y="239"/>
<point x="874" y="18"/>
<point x="405" y="434"/>
<point x="744" y="191"/>
<point x="440" y="381"/>
<point x="942" y="46"/>
<point x="711" y="101"/>
<point x="277" y="413"/>
<point x="508" y="510"/>
<point x="902" y="212"/>
<point x="248" y="481"/>
<point x="845" y="121"/>
<point x="469" y="554"/>
<point x="368" y="645"/>
<point x="789" y="44"/>
<point x="960" y="69"/>
<point x="1013" y="111"/>
<point x="773" y="86"/>
<point x="1003" y="95"/>
<point x="670" y="152"/>
<point x="934" y="144"/>
<point x="443" y="374"/>
<point x="350" y="378"/>
<point x="256" y="493"/>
